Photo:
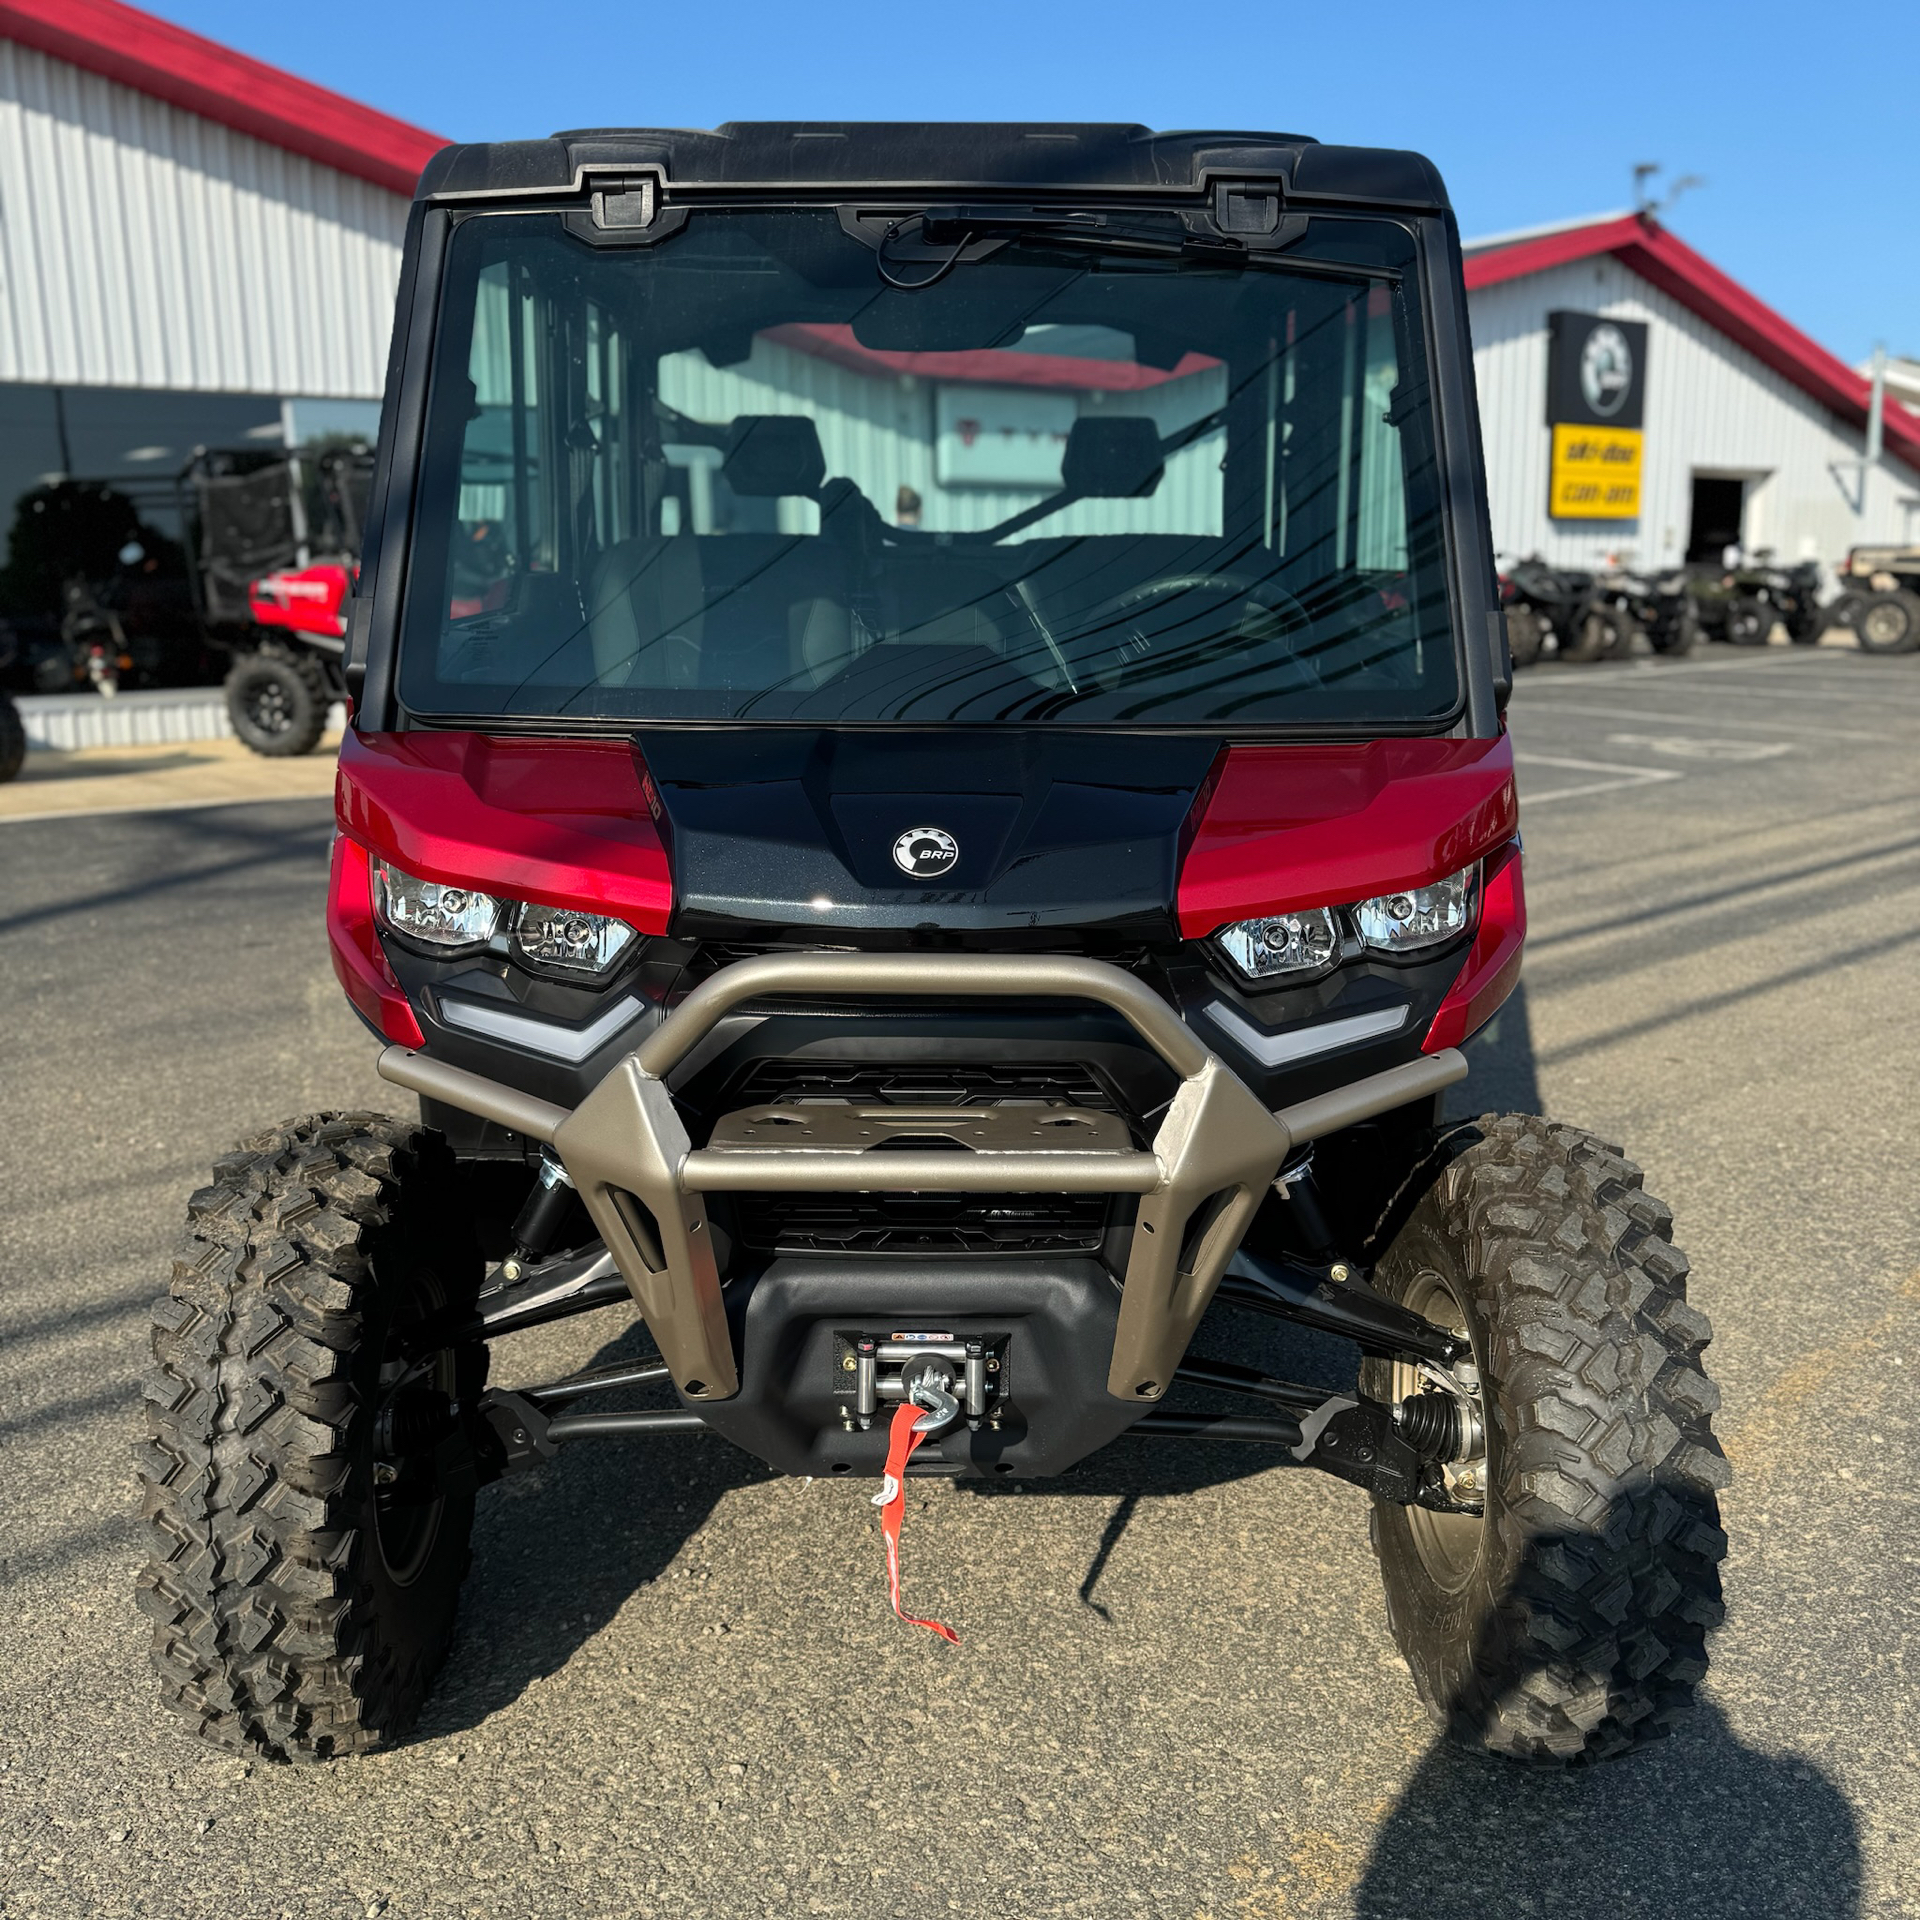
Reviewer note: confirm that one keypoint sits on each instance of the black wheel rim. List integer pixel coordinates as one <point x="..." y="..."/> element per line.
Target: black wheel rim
<point x="267" y="706"/>
<point x="406" y="1528"/>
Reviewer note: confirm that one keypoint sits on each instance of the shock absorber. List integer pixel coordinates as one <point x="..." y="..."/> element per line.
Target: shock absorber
<point x="539" y="1220"/>
<point x="1297" y="1188"/>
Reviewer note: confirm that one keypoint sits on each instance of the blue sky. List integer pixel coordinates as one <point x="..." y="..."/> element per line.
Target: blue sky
<point x="1533" y="112"/>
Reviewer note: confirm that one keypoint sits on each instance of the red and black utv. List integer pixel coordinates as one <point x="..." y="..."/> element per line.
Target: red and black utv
<point x="275" y="543"/>
<point x="927" y="805"/>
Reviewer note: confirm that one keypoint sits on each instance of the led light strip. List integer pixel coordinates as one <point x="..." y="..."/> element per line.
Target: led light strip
<point x="1302" y="1043"/>
<point x="571" y="1044"/>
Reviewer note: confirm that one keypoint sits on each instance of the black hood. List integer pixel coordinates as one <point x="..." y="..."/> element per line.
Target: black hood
<point x="783" y="828"/>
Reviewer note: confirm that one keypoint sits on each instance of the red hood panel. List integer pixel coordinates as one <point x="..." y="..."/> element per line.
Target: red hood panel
<point x="1319" y="826"/>
<point x="563" y="822"/>
<point x="568" y="822"/>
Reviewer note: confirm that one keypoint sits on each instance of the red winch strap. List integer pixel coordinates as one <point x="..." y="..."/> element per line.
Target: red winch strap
<point x="892" y="1502"/>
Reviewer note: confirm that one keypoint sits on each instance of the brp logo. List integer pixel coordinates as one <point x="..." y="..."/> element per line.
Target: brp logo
<point x="925" y="853"/>
<point x="1606" y="369"/>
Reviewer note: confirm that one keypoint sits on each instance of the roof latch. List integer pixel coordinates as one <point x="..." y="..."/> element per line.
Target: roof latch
<point x="624" y="205"/>
<point x="1244" y="207"/>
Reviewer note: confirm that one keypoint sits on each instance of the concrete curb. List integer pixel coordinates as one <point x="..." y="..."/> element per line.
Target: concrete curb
<point x="73" y="722"/>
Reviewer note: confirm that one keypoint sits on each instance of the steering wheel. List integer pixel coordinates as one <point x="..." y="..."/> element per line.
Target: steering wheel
<point x="1266" y="613"/>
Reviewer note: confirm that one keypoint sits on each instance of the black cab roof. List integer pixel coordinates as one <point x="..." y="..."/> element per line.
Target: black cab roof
<point x="1036" y="156"/>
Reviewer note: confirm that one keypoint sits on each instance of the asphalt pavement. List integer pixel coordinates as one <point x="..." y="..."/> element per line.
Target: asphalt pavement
<point x="676" y="1688"/>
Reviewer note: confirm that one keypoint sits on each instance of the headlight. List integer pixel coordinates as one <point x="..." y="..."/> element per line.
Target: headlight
<point x="566" y="937"/>
<point x="1296" y="943"/>
<point x="450" y="918"/>
<point x="1421" y="916"/>
<point x="459" y="920"/>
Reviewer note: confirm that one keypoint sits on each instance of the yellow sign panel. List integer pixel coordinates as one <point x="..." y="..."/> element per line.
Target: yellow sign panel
<point x="1596" y="473"/>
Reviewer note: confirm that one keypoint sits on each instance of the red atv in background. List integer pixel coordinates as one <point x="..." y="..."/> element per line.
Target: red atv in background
<point x="275" y="545"/>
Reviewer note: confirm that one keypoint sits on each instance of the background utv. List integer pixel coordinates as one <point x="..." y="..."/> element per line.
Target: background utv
<point x="927" y="798"/>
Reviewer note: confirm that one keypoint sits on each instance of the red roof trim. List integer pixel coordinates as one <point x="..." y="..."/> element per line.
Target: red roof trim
<point x="1671" y="265"/>
<point x="1521" y="257"/>
<point x="200" y="76"/>
<point x="991" y="368"/>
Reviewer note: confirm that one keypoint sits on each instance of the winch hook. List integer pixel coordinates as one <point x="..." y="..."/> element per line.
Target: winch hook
<point x="930" y="1391"/>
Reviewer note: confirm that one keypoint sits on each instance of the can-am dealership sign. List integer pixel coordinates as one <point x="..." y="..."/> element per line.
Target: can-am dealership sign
<point x="1596" y="400"/>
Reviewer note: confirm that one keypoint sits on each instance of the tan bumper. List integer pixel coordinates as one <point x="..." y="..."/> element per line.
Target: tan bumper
<point x="630" y="1157"/>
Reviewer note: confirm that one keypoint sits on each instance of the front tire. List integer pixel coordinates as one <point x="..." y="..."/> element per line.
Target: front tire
<point x="1678" y="637"/>
<point x="1526" y="636"/>
<point x="302" y="1597"/>
<point x="13" y="740"/>
<point x="1567" y="1622"/>
<point x="277" y="699"/>
<point x="1749" y="622"/>
<point x="1601" y="634"/>
<point x="1889" y="623"/>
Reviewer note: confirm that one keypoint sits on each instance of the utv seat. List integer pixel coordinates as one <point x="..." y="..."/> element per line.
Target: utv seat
<point x="736" y="611"/>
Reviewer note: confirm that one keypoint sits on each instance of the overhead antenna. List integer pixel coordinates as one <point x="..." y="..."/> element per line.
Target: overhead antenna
<point x="1644" y="202"/>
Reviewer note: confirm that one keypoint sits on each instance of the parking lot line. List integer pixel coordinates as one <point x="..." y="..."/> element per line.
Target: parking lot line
<point x="1645" y="717"/>
<point x="1626" y="776"/>
<point x="1669" y="670"/>
<point x="1874" y="693"/>
<point x="1829" y="664"/>
<point x="1704" y="747"/>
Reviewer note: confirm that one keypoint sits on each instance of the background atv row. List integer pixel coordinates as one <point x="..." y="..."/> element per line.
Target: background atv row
<point x="1598" y="616"/>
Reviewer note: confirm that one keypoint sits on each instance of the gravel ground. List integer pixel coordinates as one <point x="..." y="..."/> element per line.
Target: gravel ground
<point x="676" y="1688"/>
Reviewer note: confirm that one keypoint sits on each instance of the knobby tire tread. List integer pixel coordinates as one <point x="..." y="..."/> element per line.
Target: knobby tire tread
<point x="1606" y="1527"/>
<point x="263" y="1631"/>
<point x="302" y="663"/>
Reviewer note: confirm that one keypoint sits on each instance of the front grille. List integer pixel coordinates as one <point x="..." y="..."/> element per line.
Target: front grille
<point x="929" y="1084"/>
<point x="922" y="1222"/>
<point x="905" y="1223"/>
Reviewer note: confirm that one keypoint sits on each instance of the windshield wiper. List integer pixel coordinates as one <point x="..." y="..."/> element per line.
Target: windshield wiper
<point x="1162" y="234"/>
<point x="959" y="228"/>
<point x="1135" y="232"/>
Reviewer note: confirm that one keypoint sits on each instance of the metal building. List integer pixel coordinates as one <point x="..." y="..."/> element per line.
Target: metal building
<point x="1746" y="432"/>
<point x="195" y="250"/>
<point x="198" y="250"/>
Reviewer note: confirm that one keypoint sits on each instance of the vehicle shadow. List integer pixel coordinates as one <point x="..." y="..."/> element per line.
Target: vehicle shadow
<point x="1697" y="1823"/>
<point x="1701" y="1824"/>
<point x="557" y="1552"/>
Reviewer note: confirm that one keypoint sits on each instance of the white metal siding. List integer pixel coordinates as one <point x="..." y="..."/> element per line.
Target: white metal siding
<point x="1711" y="408"/>
<point x="878" y="431"/>
<point x="142" y="246"/>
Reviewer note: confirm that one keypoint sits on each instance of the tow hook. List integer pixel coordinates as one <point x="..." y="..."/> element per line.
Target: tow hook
<point x="930" y="1385"/>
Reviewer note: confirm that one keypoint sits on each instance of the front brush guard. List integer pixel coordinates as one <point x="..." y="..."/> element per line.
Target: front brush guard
<point x="629" y="1155"/>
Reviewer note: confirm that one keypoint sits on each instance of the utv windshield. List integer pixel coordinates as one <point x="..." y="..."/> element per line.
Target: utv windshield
<point x="739" y="476"/>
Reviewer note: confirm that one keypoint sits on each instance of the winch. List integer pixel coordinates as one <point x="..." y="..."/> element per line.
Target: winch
<point x="829" y="1348"/>
<point x="876" y="1370"/>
